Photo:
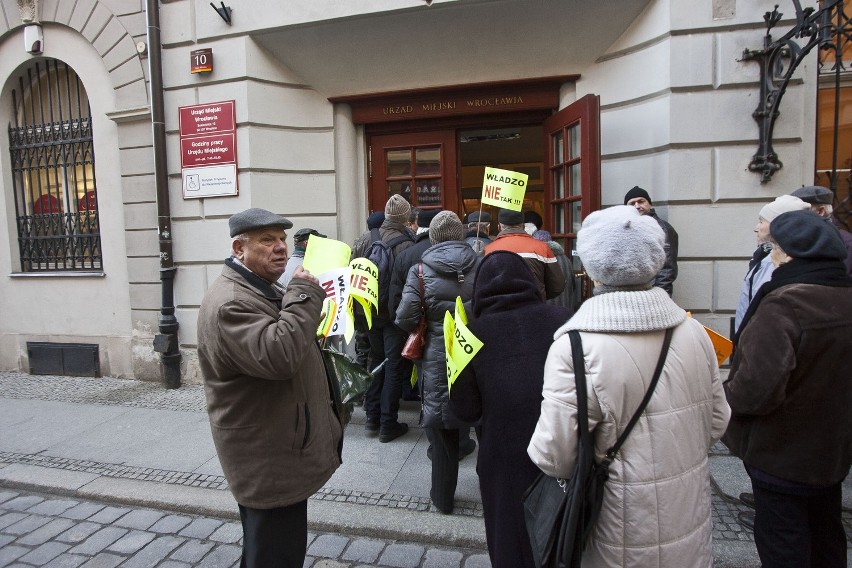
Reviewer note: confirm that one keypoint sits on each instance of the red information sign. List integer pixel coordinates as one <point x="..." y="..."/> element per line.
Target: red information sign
<point x="203" y="119"/>
<point x="208" y="152"/>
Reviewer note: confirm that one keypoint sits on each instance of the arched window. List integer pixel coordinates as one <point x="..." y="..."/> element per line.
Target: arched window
<point x="53" y="170"/>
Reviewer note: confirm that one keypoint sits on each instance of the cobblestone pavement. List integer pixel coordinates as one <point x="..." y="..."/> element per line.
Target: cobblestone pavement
<point x="57" y="532"/>
<point x="108" y="391"/>
<point x="190" y="398"/>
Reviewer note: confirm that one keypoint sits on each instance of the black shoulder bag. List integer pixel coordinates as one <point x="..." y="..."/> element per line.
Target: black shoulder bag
<point x="561" y="513"/>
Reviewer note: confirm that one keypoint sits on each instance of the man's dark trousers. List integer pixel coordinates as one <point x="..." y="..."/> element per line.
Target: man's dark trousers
<point x="397" y="372"/>
<point x="796" y="531"/>
<point x="373" y="396"/>
<point x="275" y="538"/>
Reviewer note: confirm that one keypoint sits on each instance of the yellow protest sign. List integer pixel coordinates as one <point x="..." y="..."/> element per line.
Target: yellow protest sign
<point x="449" y="332"/>
<point x="721" y="344"/>
<point x="329" y="309"/>
<point x="461" y="344"/>
<point x="504" y="188"/>
<point x="364" y="282"/>
<point x="322" y="255"/>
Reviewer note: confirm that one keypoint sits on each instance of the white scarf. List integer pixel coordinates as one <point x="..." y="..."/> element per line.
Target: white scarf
<point x="626" y="312"/>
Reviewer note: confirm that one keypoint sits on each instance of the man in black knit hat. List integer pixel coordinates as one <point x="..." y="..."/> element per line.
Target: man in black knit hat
<point x="639" y="198"/>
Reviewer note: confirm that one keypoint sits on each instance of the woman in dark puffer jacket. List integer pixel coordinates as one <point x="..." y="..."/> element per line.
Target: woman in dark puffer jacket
<point x="449" y="267"/>
<point x="502" y="387"/>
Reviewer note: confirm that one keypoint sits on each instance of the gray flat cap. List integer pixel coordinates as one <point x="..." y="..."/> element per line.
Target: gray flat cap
<point x="814" y="194"/>
<point x="303" y="234"/>
<point x="474" y="217"/>
<point x="256" y="218"/>
<point x="509" y="217"/>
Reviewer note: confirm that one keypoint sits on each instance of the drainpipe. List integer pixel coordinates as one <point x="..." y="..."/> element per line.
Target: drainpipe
<point x="165" y="342"/>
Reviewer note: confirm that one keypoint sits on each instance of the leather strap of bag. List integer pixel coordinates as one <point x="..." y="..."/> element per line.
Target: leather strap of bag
<point x="582" y="401"/>
<point x="582" y="397"/>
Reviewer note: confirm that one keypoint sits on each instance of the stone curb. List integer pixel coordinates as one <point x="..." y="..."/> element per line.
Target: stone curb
<point x="428" y="528"/>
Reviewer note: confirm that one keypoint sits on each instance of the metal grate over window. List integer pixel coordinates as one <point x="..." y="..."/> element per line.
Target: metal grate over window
<point x="53" y="170"/>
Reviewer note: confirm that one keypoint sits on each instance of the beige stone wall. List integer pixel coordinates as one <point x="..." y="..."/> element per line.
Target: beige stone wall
<point x="676" y="105"/>
<point x="115" y="310"/>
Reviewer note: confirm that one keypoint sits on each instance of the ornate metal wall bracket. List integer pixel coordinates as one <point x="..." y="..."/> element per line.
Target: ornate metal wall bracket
<point x="778" y="60"/>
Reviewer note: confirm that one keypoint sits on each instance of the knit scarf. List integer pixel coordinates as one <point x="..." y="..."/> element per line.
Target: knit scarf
<point x="818" y="271"/>
<point x="622" y="311"/>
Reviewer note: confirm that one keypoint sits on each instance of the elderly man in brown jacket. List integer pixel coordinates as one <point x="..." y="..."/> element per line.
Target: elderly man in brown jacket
<point x="276" y="433"/>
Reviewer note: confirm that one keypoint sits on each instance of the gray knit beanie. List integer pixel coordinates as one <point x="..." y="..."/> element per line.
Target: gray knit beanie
<point x="397" y="209"/>
<point x="446" y="226"/>
<point x="621" y="248"/>
<point x="782" y="204"/>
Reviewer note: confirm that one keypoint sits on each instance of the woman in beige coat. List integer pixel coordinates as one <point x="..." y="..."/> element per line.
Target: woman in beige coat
<point x="656" y="507"/>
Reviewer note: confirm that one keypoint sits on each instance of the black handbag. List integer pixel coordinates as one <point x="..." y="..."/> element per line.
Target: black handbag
<point x="560" y="514"/>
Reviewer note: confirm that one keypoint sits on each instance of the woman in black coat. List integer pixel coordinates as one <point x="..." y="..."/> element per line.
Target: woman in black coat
<point x="448" y="273"/>
<point x="502" y="387"/>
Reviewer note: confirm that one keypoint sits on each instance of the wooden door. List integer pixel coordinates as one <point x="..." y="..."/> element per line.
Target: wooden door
<point x="420" y="166"/>
<point x="573" y="184"/>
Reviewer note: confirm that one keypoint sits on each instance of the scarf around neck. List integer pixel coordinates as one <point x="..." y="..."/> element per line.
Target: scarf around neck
<point x="626" y="312"/>
<point x="822" y="272"/>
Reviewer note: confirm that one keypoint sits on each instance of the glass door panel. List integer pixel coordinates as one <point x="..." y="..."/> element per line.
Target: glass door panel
<point x="419" y="166"/>
<point x="573" y="139"/>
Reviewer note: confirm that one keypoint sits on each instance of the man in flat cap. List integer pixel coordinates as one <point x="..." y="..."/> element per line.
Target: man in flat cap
<point x="477" y="229"/>
<point x="820" y="199"/>
<point x="300" y="244"/>
<point x="538" y="255"/>
<point x="639" y="198"/>
<point x="268" y="397"/>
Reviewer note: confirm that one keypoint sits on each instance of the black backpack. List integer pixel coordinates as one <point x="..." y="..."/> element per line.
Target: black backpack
<point x="380" y="253"/>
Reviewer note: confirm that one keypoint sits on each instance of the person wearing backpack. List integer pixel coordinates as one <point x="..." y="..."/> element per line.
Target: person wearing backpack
<point x="381" y="402"/>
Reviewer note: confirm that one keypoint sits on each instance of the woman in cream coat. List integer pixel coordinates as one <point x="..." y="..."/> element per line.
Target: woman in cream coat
<point x="656" y="508"/>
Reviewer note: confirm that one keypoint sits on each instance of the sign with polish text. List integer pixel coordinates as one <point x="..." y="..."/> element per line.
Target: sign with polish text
<point x="208" y="150"/>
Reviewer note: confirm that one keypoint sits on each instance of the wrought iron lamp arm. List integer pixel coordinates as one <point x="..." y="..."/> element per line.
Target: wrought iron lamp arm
<point x="775" y="75"/>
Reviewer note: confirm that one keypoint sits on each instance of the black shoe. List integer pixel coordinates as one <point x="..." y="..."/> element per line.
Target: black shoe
<point x="466" y="448"/>
<point x="746" y="520"/>
<point x="429" y="453"/>
<point x="747" y="499"/>
<point x="371" y="426"/>
<point x="390" y="433"/>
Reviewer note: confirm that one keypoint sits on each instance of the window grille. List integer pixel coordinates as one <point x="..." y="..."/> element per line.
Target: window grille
<point x="53" y="171"/>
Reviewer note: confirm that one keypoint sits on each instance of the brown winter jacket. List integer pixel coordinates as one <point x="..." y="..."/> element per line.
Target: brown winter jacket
<point x="268" y="398"/>
<point x="789" y="387"/>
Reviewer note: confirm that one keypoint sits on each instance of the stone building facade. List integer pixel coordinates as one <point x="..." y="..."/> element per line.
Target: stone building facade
<point x="329" y="94"/>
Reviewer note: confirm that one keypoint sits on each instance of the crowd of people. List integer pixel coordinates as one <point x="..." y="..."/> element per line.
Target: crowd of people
<point x="784" y="408"/>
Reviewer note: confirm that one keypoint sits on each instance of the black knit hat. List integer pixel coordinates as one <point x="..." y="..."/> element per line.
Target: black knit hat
<point x="804" y="234"/>
<point x="637" y="192"/>
<point x="425" y="217"/>
<point x="375" y="220"/>
<point x="534" y="218"/>
<point x="504" y="281"/>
